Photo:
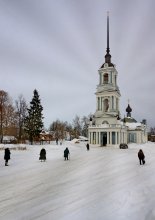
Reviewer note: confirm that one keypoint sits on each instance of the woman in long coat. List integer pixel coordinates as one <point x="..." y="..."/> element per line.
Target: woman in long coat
<point x="42" y="155"/>
<point x="141" y="157"/>
<point x="7" y="156"/>
<point x="66" y="152"/>
<point x="87" y="145"/>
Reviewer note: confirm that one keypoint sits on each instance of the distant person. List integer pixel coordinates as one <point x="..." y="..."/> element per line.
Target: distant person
<point x="7" y="156"/>
<point x="141" y="157"/>
<point x="42" y="155"/>
<point x="87" y="145"/>
<point x="66" y="153"/>
<point x="56" y="141"/>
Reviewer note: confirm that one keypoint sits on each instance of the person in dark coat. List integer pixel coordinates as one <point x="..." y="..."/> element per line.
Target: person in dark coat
<point x="42" y="155"/>
<point x="66" y="152"/>
<point x="87" y="145"/>
<point x="7" y="156"/>
<point x="141" y="157"/>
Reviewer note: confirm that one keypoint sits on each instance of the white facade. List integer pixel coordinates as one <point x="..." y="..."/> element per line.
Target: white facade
<point x="105" y="128"/>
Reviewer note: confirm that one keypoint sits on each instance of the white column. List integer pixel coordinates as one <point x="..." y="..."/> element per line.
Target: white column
<point x="107" y="137"/>
<point x="114" y="102"/>
<point x="119" y="138"/>
<point x="101" y="104"/>
<point x="116" y="137"/>
<point x="91" y="135"/>
<point x="99" y="138"/>
<point x="96" y="137"/>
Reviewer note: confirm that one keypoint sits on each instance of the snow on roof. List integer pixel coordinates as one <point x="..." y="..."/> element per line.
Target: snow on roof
<point x="133" y="125"/>
<point x="83" y="138"/>
<point x="75" y="140"/>
<point x="8" y="138"/>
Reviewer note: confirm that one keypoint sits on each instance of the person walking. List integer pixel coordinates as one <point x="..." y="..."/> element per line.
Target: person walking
<point x="66" y="153"/>
<point x="42" y="155"/>
<point x="7" y="156"/>
<point x="141" y="157"/>
<point x="87" y="145"/>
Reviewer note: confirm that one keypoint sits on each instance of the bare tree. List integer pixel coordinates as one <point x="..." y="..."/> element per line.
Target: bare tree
<point x="77" y="126"/>
<point x="21" y="112"/>
<point x="58" y="129"/>
<point x="7" y="114"/>
<point x="85" y="123"/>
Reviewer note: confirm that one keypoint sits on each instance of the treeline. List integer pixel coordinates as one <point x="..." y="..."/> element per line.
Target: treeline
<point x="19" y="119"/>
<point x="25" y="121"/>
<point x="64" y="130"/>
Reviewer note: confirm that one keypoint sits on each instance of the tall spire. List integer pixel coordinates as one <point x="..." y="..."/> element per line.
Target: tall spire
<point x="108" y="56"/>
<point x="108" y="49"/>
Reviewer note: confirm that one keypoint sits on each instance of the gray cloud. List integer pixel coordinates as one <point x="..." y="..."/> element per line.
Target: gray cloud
<point x="58" y="47"/>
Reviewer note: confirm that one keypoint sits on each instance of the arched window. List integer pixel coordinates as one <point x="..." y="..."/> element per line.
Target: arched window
<point x="105" y="122"/>
<point x="106" y="105"/>
<point x="105" y="79"/>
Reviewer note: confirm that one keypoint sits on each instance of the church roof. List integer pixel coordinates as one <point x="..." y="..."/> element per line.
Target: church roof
<point x="128" y="120"/>
<point x="109" y="65"/>
<point x="133" y="126"/>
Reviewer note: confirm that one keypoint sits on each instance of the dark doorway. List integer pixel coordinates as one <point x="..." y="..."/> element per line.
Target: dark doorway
<point x="103" y="138"/>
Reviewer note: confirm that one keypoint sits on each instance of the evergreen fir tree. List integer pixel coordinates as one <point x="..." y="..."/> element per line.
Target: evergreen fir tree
<point x="33" y="121"/>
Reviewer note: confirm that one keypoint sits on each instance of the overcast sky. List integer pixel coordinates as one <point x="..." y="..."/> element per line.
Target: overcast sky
<point x="57" y="47"/>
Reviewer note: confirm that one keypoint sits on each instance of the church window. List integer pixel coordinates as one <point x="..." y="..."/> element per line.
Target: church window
<point x="113" y="137"/>
<point x="106" y="78"/>
<point x="105" y="122"/>
<point x="106" y="105"/>
<point x="98" y="103"/>
<point x="112" y="102"/>
<point x="132" y="138"/>
<point x="117" y="138"/>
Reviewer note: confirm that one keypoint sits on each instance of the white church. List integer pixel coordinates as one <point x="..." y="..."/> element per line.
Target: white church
<point x="106" y="128"/>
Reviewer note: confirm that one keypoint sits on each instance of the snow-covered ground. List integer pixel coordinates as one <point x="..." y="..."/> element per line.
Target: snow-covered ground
<point x="100" y="184"/>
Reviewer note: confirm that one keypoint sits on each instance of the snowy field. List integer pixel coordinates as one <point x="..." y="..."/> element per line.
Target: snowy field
<point x="100" y="184"/>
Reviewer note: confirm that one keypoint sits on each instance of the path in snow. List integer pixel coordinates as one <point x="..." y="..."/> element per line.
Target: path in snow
<point x="100" y="184"/>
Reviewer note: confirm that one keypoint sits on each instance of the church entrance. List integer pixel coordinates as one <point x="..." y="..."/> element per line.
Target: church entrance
<point x="103" y="138"/>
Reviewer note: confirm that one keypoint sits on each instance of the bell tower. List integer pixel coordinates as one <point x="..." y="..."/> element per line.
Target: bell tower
<point x="106" y="127"/>
<point x="107" y="92"/>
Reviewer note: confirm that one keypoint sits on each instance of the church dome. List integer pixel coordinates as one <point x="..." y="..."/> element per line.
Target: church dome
<point x="128" y="109"/>
<point x="109" y="65"/>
